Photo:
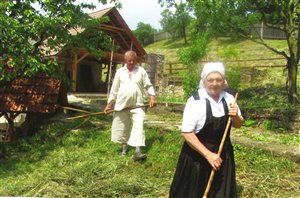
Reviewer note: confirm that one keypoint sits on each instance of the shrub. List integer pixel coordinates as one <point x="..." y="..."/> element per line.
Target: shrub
<point x="190" y="56"/>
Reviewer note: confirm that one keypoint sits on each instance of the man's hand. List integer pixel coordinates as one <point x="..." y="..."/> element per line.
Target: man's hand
<point x="107" y="109"/>
<point x="152" y="101"/>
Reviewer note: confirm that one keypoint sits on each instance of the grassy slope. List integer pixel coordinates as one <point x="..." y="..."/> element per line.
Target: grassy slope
<point x="59" y="162"/>
<point x="220" y="49"/>
<point x="261" y="89"/>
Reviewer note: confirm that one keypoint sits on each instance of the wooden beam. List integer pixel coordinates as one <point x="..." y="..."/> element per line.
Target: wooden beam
<point x="111" y="28"/>
<point x="74" y="73"/>
<point x="108" y="30"/>
<point x="82" y="57"/>
<point x="117" y="57"/>
<point x="126" y="43"/>
<point x="75" y="68"/>
<point x="140" y="50"/>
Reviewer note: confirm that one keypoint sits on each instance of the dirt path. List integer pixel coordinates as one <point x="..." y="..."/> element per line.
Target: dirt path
<point x="237" y="137"/>
<point x="169" y="117"/>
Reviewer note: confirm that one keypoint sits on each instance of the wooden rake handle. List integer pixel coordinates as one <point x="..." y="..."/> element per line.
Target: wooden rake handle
<point x="212" y="173"/>
<point x="88" y="114"/>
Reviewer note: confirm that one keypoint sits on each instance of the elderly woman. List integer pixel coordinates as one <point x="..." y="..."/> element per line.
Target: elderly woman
<point x="204" y="121"/>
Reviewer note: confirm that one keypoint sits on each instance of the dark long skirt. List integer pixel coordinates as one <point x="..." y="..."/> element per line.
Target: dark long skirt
<point x="193" y="171"/>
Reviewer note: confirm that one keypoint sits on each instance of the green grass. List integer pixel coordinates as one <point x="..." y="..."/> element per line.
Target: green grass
<point x="269" y="137"/>
<point x="170" y="99"/>
<point x="221" y="49"/>
<point x="85" y="163"/>
<point x="60" y="161"/>
<point x="262" y="92"/>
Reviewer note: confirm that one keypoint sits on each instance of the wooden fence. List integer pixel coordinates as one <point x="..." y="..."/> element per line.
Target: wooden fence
<point x="172" y="68"/>
<point x="171" y="79"/>
<point x="258" y="30"/>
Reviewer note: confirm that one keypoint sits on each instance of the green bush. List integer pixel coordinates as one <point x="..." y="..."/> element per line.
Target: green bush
<point x="190" y="56"/>
<point x="233" y="77"/>
<point x="190" y="81"/>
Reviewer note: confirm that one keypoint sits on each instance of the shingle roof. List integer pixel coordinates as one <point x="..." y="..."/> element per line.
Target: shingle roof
<point x="117" y="28"/>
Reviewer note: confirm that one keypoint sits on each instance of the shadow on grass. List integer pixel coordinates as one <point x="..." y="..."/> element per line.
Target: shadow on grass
<point x="174" y="44"/>
<point x="268" y="106"/>
<point x="229" y="41"/>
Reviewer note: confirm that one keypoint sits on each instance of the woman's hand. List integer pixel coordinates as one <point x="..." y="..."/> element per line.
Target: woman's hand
<point x="233" y="109"/>
<point x="237" y="121"/>
<point x="214" y="160"/>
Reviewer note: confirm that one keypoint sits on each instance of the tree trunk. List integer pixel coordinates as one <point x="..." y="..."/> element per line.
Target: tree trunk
<point x="292" y="65"/>
<point x="184" y="36"/>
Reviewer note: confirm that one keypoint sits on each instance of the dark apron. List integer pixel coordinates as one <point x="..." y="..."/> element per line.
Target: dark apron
<point x="193" y="170"/>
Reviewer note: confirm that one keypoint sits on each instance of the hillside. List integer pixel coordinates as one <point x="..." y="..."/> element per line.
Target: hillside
<point x="262" y="89"/>
<point x="220" y="49"/>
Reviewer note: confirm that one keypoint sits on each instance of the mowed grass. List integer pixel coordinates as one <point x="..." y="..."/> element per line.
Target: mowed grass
<point x="61" y="162"/>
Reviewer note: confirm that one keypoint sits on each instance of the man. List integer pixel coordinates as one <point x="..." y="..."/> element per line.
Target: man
<point x="127" y="91"/>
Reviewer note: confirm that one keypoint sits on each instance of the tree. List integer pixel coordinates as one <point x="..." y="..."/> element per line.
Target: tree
<point x="236" y="17"/>
<point x="183" y="19"/>
<point x="167" y="22"/>
<point x="32" y="29"/>
<point x="145" y="33"/>
<point x="176" y="22"/>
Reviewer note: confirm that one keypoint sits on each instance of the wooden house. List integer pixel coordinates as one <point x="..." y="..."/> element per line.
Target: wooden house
<point x="91" y="74"/>
<point x="44" y="95"/>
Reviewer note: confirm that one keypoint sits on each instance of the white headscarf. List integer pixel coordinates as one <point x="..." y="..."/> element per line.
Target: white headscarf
<point x="209" y="68"/>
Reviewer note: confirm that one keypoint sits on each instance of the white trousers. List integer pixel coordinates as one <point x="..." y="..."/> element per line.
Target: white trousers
<point x="128" y="127"/>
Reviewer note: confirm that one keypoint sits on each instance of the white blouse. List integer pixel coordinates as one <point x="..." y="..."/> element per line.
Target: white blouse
<point x="194" y="114"/>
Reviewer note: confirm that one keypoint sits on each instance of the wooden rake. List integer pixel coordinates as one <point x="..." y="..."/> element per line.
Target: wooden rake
<point x="212" y="173"/>
<point x="88" y="114"/>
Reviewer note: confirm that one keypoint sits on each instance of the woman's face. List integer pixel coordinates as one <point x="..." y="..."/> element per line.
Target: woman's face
<point x="214" y="84"/>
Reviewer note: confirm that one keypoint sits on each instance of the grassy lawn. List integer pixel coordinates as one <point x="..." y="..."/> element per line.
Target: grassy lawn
<point x="61" y="161"/>
<point x="84" y="163"/>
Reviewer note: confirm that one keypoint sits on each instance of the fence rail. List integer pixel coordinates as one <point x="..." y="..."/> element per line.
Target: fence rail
<point x="169" y="78"/>
<point x="172" y="67"/>
<point x="258" y="30"/>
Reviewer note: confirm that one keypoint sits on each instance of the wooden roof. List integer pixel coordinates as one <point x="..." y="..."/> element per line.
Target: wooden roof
<point x="117" y="28"/>
<point x="35" y="94"/>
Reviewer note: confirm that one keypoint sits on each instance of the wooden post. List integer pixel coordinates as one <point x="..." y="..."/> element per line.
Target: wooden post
<point x="10" y="119"/>
<point x="74" y="73"/>
<point x="110" y="68"/>
<point x="262" y="30"/>
<point x="74" y="69"/>
<point x="170" y="67"/>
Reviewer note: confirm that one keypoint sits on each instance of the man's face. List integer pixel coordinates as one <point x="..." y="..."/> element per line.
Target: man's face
<point x="130" y="61"/>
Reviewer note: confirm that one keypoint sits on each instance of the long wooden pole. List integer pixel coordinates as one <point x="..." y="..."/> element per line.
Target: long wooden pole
<point x="110" y="67"/>
<point x="100" y="113"/>
<point x="212" y="173"/>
